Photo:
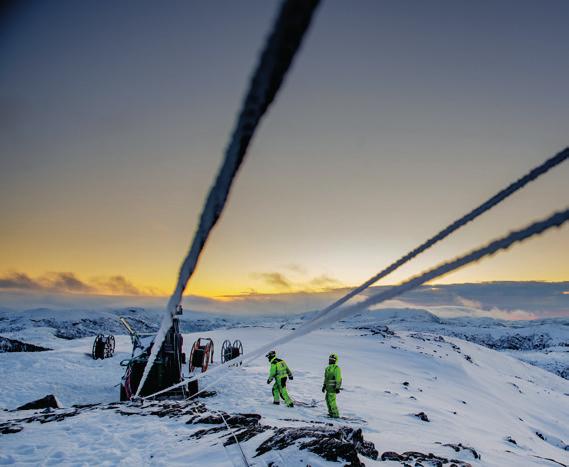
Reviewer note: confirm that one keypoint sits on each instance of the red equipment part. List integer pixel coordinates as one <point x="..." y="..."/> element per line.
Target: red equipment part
<point x="202" y="354"/>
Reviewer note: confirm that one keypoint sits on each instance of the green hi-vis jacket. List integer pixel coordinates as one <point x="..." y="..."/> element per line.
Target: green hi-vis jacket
<point x="332" y="377"/>
<point x="279" y="369"/>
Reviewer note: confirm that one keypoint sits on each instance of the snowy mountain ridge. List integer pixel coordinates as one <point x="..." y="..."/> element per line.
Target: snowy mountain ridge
<point x="543" y="343"/>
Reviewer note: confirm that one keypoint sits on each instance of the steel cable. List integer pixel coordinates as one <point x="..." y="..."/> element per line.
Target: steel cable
<point x="476" y="212"/>
<point x="555" y="220"/>
<point x="281" y="46"/>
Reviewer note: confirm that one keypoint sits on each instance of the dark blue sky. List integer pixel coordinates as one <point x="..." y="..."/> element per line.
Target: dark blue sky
<point x="396" y="118"/>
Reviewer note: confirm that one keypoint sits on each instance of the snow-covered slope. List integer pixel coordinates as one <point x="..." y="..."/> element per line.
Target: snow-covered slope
<point x="544" y="342"/>
<point x="472" y="396"/>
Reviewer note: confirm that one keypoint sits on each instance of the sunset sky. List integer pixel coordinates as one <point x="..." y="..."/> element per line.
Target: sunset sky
<point x="396" y="118"/>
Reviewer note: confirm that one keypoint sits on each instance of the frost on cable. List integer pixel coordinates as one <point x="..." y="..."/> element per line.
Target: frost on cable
<point x="281" y="47"/>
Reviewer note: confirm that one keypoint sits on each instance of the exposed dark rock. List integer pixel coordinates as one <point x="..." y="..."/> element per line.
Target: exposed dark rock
<point x="165" y="408"/>
<point x="509" y="439"/>
<point x="331" y="444"/>
<point x="377" y="330"/>
<point x="391" y="456"/>
<point x="558" y="443"/>
<point x="46" y="416"/>
<point x="243" y="426"/>
<point x="85" y="406"/>
<point x="460" y="447"/>
<point x="423" y="416"/>
<point x="49" y="401"/>
<point x="511" y="342"/>
<point x="418" y="458"/>
<point x="13" y="345"/>
<point x="552" y="460"/>
<point x="326" y="440"/>
<point x="9" y="428"/>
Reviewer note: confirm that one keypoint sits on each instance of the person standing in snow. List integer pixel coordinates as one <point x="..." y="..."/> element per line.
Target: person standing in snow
<point x="332" y="385"/>
<point x="279" y="371"/>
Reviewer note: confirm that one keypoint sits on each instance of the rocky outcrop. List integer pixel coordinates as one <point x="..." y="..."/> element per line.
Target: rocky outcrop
<point x="510" y="342"/>
<point x="377" y="330"/>
<point x="13" y="345"/>
<point x="460" y="447"/>
<point x="329" y="441"/>
<point x="419" y="458"/>
<point x="47" y="402"/>
<point x="422" y="416"/>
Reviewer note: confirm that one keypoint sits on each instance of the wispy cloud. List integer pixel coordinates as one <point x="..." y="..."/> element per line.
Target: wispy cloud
<point x="64" y="282"/>
<point x="508" y="300"/>
<point x="18" y="281"/>
<point x="284" y="283"/>
<point x="52" y="281"/>
<point x="275" y="279"/>
<point x="68" y="282"/>
<point x="468" y="302"/>
<point x="118" y="285"/>
<point x="325" y="282"/>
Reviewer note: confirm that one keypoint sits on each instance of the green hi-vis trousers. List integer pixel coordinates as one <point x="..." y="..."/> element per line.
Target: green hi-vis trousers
<point x="279" y="390"/>
<point x="331" y="404"/>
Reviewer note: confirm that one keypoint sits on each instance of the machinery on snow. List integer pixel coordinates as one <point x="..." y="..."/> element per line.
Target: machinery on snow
<point x="230" y="351"/>
<point x="202" y="354"/>
<point x="167" y="369"/>
<point x="103" y="347"/>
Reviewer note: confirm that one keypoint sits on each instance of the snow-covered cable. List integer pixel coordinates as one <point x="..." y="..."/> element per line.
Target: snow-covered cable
<point x="478" y="211"/>
<point x="491" y="202"/>
<point x="183" y="383"/>
<point x="555" y="220"/>
<point x="503" y="243"/>
<point x="281" y="46"/>
<point x="243" y="457"/>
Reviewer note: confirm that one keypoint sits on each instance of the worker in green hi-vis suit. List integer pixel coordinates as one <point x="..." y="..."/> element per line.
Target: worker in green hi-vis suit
<point x="279" y="371"/>
<point x="332" y="385"/>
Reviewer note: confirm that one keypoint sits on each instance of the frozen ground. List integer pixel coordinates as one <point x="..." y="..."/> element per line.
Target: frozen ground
<point x="472" y="395"/>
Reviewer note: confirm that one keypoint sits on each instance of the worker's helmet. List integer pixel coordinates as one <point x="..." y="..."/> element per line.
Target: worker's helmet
<point x="333" y="358"/>
<point x="272" y="354"/>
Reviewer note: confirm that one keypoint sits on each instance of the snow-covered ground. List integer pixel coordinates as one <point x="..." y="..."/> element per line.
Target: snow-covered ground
<point x="472" y="395"/>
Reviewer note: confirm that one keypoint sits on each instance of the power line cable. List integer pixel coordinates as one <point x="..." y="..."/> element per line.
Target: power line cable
<point x="555" y="220"/>
<point x="280" y="49"/>
<point x="476" y="212"/>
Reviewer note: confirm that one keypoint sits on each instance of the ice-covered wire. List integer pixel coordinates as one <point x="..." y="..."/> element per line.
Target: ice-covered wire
<point x="555" y="220"/>
<point x="232" y="433"/>
<point x="478" y="211"/>
<point x="280" y="48"/>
